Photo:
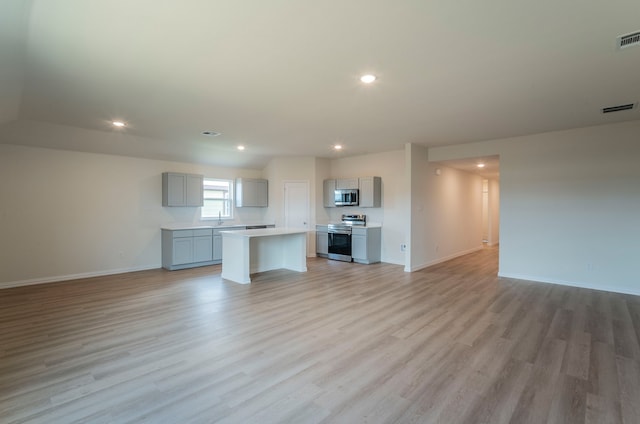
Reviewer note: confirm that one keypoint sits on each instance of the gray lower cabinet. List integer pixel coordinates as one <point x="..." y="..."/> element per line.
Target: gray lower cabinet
<point x="366" y="244"/>
<point x="181" y="251"/>
<point x="202" y="248"/>
<point x="322" y="241"/>
<point x="190" y="248"/>
<point x="187" y="248"/>
<point x="217" y="246"/>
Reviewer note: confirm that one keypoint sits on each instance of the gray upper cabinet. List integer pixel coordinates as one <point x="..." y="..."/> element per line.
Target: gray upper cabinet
<point x="346" y="183"/>
<point x="370" y="189"/>
<point x="195" y="190"/>
<point x="370" y="192"/>
<point x="328" y="189"/>
<point x="182" y="189"/>
<point x="252" y="192"/>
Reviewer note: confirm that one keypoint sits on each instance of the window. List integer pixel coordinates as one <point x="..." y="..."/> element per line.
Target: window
<point x="218" y="196"/>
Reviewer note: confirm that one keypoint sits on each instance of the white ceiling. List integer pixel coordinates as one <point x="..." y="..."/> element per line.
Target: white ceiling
<point x="281" y="77"/>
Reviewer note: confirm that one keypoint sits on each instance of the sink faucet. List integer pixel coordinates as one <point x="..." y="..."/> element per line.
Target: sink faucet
<point x="219" y="218"/>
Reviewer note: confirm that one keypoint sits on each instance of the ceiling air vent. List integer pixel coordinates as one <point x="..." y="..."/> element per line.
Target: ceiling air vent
<point x="628" y="40"/>
<point x="618" y="108"/>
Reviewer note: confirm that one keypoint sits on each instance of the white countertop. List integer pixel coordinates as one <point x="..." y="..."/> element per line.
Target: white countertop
<point x="264" y="232"/>
<point x="174" y="227"/>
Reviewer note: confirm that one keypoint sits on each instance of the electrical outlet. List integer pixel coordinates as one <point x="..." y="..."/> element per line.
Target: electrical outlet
<point x="403" y="247"/>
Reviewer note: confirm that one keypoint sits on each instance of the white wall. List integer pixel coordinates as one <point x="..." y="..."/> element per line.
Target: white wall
<point x="494" y="212"/>
<point x="416" y="219"/>
<point x="67" y="214"/>
<point x="13" y="26"/>
<point x="454" y="208"/>
<point x="446" y="211"/>
<point x="389" y="166"/>
<point x="569" y="205"/>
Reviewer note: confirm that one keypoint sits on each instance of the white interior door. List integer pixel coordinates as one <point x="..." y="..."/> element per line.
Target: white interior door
<point x="485" y="211"/>
<point x="296" y="204"/>
<point x="296" y="208"/>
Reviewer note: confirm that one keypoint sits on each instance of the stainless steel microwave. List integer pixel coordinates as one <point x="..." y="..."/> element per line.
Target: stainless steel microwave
<point x="346" y="197"/>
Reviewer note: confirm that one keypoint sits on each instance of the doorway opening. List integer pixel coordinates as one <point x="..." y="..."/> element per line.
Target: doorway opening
<point x="487" y="168"/>
<point x="490" y="212"/>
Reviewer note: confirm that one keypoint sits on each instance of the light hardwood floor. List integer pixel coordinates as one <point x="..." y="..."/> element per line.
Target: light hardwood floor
<point x="342" y="343"/>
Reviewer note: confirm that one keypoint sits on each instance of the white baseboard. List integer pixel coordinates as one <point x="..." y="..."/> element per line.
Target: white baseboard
<point x="443" y="259"/>
<point x="58" y="278"/>
<point x="601" y="287"/>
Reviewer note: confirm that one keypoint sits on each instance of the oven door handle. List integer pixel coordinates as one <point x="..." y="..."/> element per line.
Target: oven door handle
<point x="348" y="233"/>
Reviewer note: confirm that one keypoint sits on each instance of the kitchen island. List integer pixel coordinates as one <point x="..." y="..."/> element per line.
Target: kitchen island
<point x="245" y="252"/>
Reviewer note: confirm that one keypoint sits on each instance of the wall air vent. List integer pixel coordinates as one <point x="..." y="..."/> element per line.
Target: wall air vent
<point x="628" y="40"/>
<point x="618" y="108"/>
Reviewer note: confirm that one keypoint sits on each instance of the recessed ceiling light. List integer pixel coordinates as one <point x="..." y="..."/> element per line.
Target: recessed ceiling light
<point x="118" y="124"/>
<point x="337" y="147"/>
<point x="211" y="133"/>
<point x="480" y="165"/>
<point x="241" y="147"/>
<point x="368" y="79"/>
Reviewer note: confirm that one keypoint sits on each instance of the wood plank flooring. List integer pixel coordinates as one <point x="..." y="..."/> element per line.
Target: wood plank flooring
<point x="342" y="343"/>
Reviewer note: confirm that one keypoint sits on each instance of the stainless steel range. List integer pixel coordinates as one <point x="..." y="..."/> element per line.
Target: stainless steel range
<point x="340" y="236"/>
